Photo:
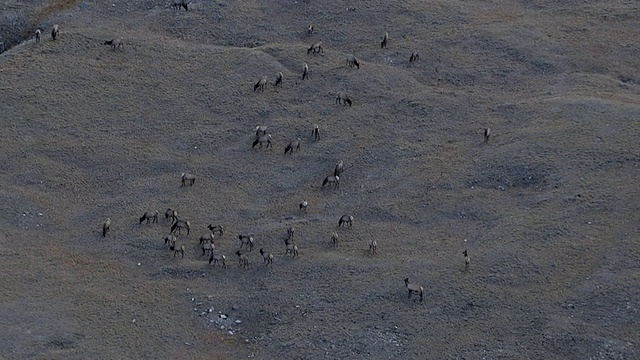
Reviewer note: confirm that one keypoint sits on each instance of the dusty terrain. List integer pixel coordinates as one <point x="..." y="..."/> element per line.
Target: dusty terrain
<point x="548" y="209"/>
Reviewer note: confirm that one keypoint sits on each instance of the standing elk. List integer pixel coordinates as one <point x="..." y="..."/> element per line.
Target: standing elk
<point x="215" y="258"/>
<point x="216" y="229"/>
<point x="337" y="171"/>
<point x="115" y="43"/>
<point x="352" y="61"/>
<point x="383" y="44"/>
<point x="246" y="241"/>
<point x="467" y="260"/>
<point x="305" y="71"/>
<point x="179" y="225"/>
<point x="206" y="237"/>
<point x="243" y="260"/>
<point x="293" y="145"/>
<point x="171" y="241"/>
<point x="150" y="215"/>
<point x="310" y="29"/>
<point x="373" y="246"/>
<point x="38" y="35"/>
<point x="332" y="180"/>
<point x="55" y="31"/>
<point x="291" y="249"/>
<point x="188" y="179"/>
<point x="415" y="56"/>
<point x="315" y="133"/>
<point x="316" y="48"/>
<point x="268" y="257"/>
<point x="106" y="227"/>
<point x="345" y="219"/>
<point x="303" y="205"/>
<point x="207" y="246"/>
<point x="261" y="130"/>
<point x="177" y="4"/>
<point x="266" y="138"/>
<point x="487" y="134"/>
<point x="335" y="238"/>
<point x="413" y="288"/>
<point x="290" y="232"/>
<point x="177" y="250"/>
<point x="279" y="77"/>
<point x="343" y="98"/>
<point x="170" y="215"/>
<point x="260" y="84"/>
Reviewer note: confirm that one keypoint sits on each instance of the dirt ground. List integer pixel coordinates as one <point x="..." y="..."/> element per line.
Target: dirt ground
<point x="547" y="209"/>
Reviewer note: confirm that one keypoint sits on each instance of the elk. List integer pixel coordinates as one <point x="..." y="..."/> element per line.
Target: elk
<point x="208" y="246"/>
<point x="413" y="288"/>
<point x="177" y="4"/>
<point x="179" y="250"/>
<point x="187" y="178"/>
<point x="38" y="35"/>
<point x="343" y="98"/>
<point x="243" y="260"/>
<point x="415" y="56"/>
<point x="467" y="260"/>
<point x="290" y="232"/>
<point x="337" y="171"/>
<point x="373" y="246"/>
<point x="316" y="48"/>
<point x="216" y="229"/>
<point x="335" y="238"/>
<point x="352" y="61"/>
<point x="487" y="134"/>
<point x="292" y="249"/>
<point x="55" y="31"/>
<point x="106" y="227"/>
<point x="345" y="219"/>
<point x="279" y="77"/>
<point x="293" y="145"/>
<point x="266" y="138"/>
<point x="261" y="130"/>
<point x="150" y="215"/>
<point x="206" y="237"/>
<point x="310" y="29"/>
<point x="115" y="43"/>
<point x="179" y="225"/>
<point x="305" y="71"/>
<point x="303" y="205"/>
<point x="260" y="84"/>
<point x="383" y="44"/>
<point x="215" y="258"/>
<point x="332" y="180"/>
<point x="171" y="241"/>
<point x="171" y="215"/>
<point x="246" y="241"/>
<point x="268" y="257"/>
<point x="315" y="133"/>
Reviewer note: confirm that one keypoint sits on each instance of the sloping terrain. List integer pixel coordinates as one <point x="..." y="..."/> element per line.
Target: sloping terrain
<point x="546" y="209"/>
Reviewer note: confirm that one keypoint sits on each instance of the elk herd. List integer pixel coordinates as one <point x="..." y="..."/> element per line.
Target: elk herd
<point x="263" y="139"/>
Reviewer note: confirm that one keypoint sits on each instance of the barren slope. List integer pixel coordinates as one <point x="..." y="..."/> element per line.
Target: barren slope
<point x="546" y="208"/>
